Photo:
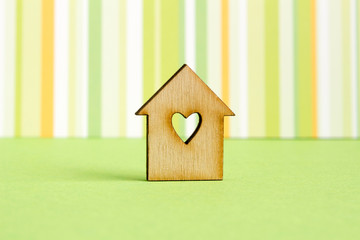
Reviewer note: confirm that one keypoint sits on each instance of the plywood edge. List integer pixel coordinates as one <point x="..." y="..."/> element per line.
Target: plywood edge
<point x="142" y="110"/>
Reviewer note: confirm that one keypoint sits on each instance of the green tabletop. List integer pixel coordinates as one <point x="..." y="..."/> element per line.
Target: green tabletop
<point x="96" y="189"/>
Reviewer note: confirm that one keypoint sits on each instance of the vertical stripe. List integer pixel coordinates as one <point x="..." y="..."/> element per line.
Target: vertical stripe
<point x="94" y="68"/>
<point x="110" y="68"/>
<point x="286" y="67"/>
<point x="182" y="18"/>
<point x="122" y="69"/>
<point x="238" y="68"/>
<point x="190" y="49"/>
<point x="134" y="66"/>
<point x="190" y="37"/>
<point x="200" y="39"/>
<point x="72" y="67"/>
<point x="47" y="68"/>
<point x="353" y="56"/>
<point x="9" y="87"/>
<point x="157" y="46"/>
<point x="214" y="45"/>
<point x="256" y="61"/>
<point x="323" y="64"/>
<point x="149" y="48"/>
<point x="18" y="75"/>
<point x="336" y="70"/>
<point x="82" y="68"/>
<point x="2" y="65"/>
<point x="225" y="59"/>
<point x="61" y="73"/>
<point x="234" y="56"/>
<point x="169" y="38"/>
<point x="243" y="68"/>
<point x="303" y="67"/>
<point x="31" y="69"/>
<point x="358" y="63"/>
<point x="314" y="69"/>
<point x="346" y="63"/>
<point x="271" y="68"/>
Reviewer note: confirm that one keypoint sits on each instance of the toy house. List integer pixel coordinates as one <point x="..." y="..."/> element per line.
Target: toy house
<point x="201" y="156"/>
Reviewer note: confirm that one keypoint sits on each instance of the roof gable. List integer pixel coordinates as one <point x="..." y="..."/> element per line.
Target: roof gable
<point x="185" y="90"/>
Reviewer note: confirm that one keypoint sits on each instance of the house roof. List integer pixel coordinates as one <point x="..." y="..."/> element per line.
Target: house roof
<point x="185" y="83"/>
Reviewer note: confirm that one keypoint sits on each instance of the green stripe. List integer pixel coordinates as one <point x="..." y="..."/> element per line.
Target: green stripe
<point x="169" y="40"/>
<point x="18" y="68"/>
<point x="181" y="32"/>
<point x="272" y="68"/>
<point x="94" y="68"/>
<point x="358" y="63"/>
<point x="303" y="67"/>
<point x="296" y="114"/>
<point x="201" y="41"/>
<point x="149" y="53"/>
<point x="346" y="68"/>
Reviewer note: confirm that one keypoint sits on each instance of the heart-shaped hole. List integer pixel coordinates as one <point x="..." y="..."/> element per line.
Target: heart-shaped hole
<point x="186" y="127"/>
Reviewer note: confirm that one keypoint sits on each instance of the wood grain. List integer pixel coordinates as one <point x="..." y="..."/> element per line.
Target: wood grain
<point x="168" y="157"/>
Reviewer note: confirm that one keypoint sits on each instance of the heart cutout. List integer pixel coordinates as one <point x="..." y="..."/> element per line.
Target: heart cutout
<point x="186" y="127"/>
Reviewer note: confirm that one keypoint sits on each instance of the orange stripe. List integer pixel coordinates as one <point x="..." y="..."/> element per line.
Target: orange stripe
<point x="225" y="59"/>
<point x="314" y="72"/>
<point x="47" y="68"/>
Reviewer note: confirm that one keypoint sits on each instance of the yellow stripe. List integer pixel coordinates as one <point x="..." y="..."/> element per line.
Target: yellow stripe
<point x="225" y="59"/>
<point x="256" y="74"/>
<point x="47" y="71"/>
<point x="30" y="69"/>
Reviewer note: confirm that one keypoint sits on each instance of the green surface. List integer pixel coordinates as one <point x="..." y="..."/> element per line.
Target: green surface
<point x="96" y="189"/>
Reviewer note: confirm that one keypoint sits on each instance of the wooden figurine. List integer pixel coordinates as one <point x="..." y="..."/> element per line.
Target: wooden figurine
<point x="168" y="156"/>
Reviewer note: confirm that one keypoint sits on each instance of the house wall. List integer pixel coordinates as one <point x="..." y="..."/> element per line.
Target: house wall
<point x="169" y="158"/>
<point x="81" y="68"/>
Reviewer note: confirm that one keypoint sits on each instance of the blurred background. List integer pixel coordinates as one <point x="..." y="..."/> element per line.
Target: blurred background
<point x="81" y="68"/>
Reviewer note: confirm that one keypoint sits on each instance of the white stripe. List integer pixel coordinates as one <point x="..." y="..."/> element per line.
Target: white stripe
<point x="134" y="67"/>
<point x="157" y="50"/>
<point x="2" y="65"/>
<point x="234" y="55"/>
<point x="243" y="68"/>
<point x="323" y="70"/>
<point x="214" y="45"/>
<point x="190" y="50"/>
<point x="286" y="54"/>
<point x="82" y="47"/>
<point x="354" y="64"/>
<point x="10" y="42"/>
<point x="122" y="69"/>
<point x="61" y="70"/>
<point x="110" y="88"/>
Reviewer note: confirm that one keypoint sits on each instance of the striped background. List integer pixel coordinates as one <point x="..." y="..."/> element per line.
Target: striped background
<point x="81" y="68"/>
